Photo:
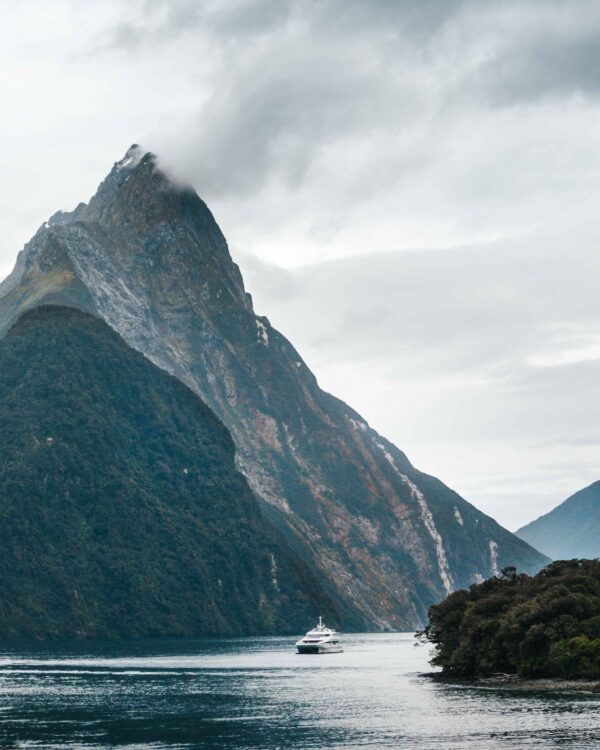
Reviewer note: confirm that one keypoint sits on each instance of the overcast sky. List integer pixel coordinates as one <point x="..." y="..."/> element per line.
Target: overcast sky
<point x="410" y="189"/>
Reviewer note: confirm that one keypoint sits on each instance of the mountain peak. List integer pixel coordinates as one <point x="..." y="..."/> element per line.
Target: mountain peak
<point x="133" y="156"/>
<point x="148" y="257"/>
<point x="109" y="189"/>
<point x="139" y="220"/>
<point x="137" y="167"/>
<point x="140" y="199"/>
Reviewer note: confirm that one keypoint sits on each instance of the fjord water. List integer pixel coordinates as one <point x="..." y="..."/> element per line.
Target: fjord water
<point x="257" y="693"/>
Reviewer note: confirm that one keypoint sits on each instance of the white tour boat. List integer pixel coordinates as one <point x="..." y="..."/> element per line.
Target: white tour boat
<point x="320" y="640"/>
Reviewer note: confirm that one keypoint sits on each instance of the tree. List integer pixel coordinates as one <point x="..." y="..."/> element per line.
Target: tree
<point x="546" y="625"/>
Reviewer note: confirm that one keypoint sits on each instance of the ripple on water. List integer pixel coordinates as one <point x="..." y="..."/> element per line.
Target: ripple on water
<point x="257" y="693"/>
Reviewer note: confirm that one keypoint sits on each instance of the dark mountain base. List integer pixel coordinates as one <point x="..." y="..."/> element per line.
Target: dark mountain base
<point x="121" y="512"/>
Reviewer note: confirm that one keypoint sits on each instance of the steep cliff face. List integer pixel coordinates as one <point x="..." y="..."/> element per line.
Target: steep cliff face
<point x="571" y="530"/>
<point x="121" y="511"/>
<point x="147" y="256"/>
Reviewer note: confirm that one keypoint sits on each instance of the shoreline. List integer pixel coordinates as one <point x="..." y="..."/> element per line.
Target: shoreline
<point x="516" y="683"/>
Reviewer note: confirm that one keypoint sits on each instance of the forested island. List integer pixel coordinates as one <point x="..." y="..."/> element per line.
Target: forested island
<point x="545" y="626"/>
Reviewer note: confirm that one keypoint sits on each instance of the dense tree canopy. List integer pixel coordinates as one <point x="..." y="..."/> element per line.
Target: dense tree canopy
<point x="547" y="625"/>
<point x="121" y="512"/>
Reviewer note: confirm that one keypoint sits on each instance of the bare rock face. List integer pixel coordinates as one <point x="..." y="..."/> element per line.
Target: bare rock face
<point x="147" y="256"/>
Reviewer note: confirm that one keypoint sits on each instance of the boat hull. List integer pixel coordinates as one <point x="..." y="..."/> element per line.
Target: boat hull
<point x="322" y="648"/>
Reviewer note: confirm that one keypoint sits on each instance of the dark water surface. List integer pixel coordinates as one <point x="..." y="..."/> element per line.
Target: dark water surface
<point x="257" y="693"/>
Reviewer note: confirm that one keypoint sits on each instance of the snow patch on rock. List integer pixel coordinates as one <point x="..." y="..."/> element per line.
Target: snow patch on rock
<point x="131" y="159"/>
<point x="262" y="334"/>
<point x="459" y="518"/>
<point x="388" y="456"/>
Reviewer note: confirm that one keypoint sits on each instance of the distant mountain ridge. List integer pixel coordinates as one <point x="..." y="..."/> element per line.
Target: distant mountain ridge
<point x="147" y="256"/>
<point x="571" y="530"/>
<point x="121" y="512"/>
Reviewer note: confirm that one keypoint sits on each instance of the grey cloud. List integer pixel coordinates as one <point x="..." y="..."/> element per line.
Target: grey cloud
<point x="160" y="21"/>
<point x="549" y="60"/>
<point x="234" y="19"/>
<point x="277" y="125"/>
<point x="420" y="20"/>
<point x="249" y="17"/>
<point x="397" y="80"/>
<point x="275" y="110"/>
<point x="526" y="49"/>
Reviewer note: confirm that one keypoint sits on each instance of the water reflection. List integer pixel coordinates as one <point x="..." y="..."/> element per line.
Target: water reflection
<point x="257" y="693"/>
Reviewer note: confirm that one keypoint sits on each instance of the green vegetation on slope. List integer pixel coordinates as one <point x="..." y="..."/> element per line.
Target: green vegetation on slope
<point x="544" y="626"/>
<point x="121" y="513"/>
